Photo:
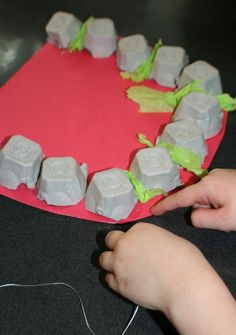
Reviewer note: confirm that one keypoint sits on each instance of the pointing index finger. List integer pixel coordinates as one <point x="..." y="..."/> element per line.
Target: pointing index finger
<point x="184" y="198"/>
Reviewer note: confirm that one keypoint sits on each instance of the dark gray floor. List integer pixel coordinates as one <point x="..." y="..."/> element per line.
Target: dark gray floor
<point x="38" y="247"/>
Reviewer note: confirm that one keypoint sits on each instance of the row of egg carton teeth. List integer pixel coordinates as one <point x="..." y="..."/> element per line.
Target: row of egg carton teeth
<point x="170" y="66"/>
<point x="61" y="181"/>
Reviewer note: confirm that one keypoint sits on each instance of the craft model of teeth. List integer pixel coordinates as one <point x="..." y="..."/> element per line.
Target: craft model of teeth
<point x="110" y="193"/>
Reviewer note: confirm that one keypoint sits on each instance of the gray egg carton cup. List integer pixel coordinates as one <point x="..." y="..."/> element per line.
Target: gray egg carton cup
<point x="154" y="168"/>
<point x="62" y="28"/>
<point x="168" y="64"/>
<point x="110" y="194"/>
<point x="203" y="110"/>
<point x="62" y="181"/>
<point x="20" y="161"/>
<point x="131" y="52"/>
<point x="201" y="70"/>
<point x="186" y="134"/>
<point x="101" y="37"/>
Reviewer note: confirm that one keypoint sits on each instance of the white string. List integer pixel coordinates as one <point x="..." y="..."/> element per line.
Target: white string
<point x="131" y="319"/>
<point x="80" y="300"/>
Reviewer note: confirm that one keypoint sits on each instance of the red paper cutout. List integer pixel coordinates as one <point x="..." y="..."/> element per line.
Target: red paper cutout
<point x="74" y="105"/>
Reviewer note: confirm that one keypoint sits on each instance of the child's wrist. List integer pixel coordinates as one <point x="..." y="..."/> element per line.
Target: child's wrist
<point x="188" y="289"/>
<point x="196" y="302"/>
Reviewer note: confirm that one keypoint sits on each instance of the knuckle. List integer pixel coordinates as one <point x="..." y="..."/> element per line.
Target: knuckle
<point x="195" y="219"/>
<point x="178" y="199"/>
<point x="122" y="286"/>
<point x="215" y="171"/>
<point x="209" y="181"/>
<point x="139" y="226"/>
<point x="102" y="258"/>
<point x="122" y="245"/>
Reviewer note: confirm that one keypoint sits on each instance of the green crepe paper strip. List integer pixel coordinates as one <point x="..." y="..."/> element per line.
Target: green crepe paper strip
<point x="142" y="138"/>
<point x="143" y="70"/>
<point x="226" y="102"/>
<point x="78" y="42"/>
<point x="141" y="193"/>
<point x="184" y="157"/>
<point x="194" y="86"/>
<point x="151" y="100"/>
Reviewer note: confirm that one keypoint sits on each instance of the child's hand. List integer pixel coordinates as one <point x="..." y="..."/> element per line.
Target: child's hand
<point x="213" y="200"/>
<point x="159" y="270"/>
<point x="150" y="266"/>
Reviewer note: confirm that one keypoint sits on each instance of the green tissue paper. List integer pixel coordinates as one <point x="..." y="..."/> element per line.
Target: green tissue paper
<point x="78" y="42"/>
<point x="143" y="70"/>
<point x="152" y="101"/>
<point x="141" y="193"/>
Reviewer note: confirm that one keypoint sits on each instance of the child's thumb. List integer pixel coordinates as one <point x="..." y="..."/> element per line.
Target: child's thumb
<point x="207" y="218"/>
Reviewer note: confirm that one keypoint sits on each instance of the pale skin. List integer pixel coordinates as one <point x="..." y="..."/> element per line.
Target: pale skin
<point x="216" y="192"/>
<point x="159" y="270"/>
